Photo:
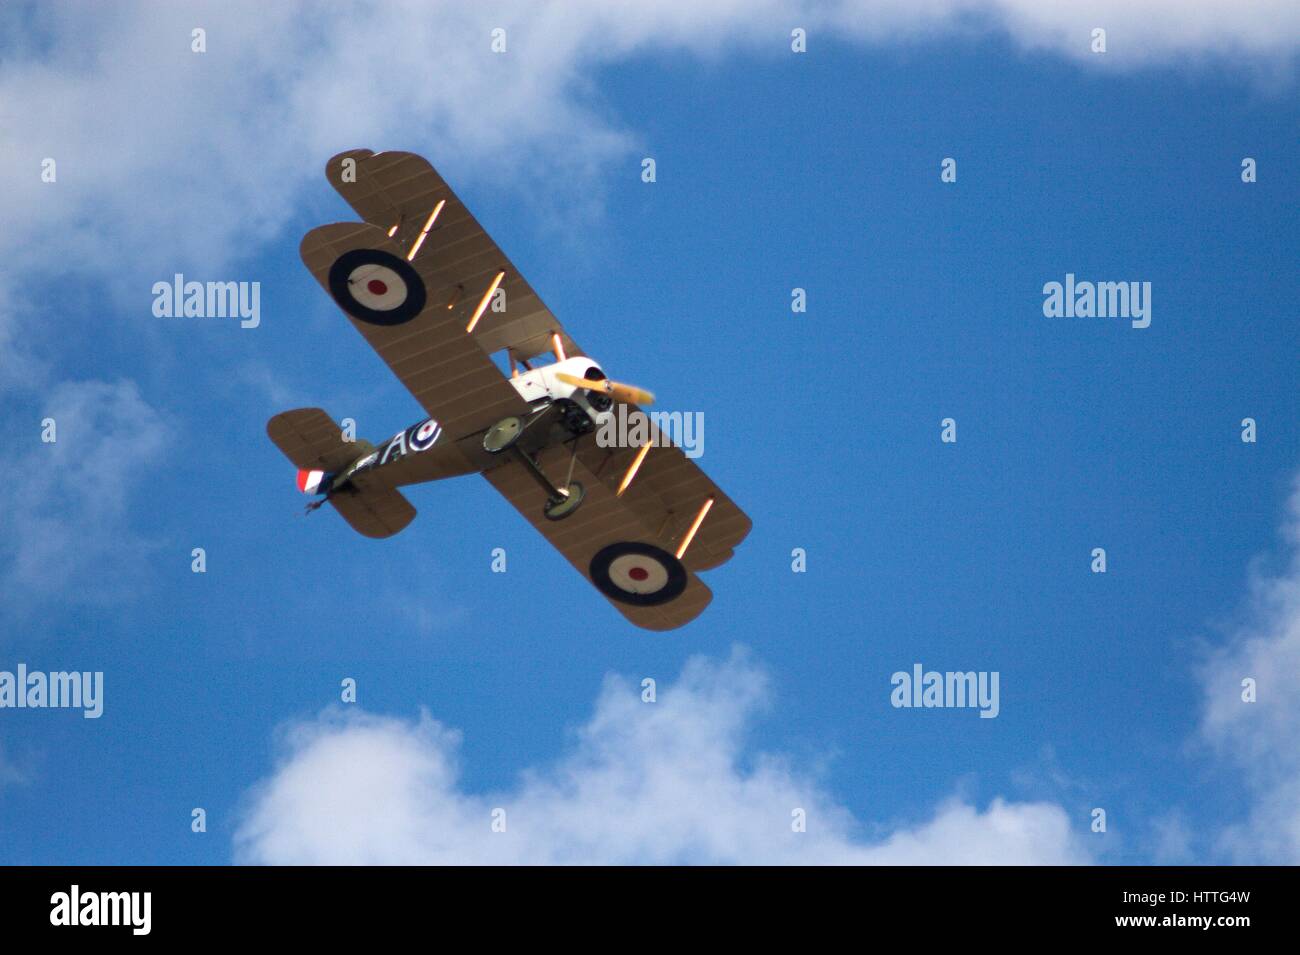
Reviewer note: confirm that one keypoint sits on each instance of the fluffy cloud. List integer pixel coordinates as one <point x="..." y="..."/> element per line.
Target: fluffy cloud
<point x="10" y="773"/>
<point x="1260" y="738"/>
<point x="186" y="155"/>
<point x="1140" y="32"/>
<point x="668" y="782"/>
<point x="193" y="161"/>
<point x="66" y="503"/>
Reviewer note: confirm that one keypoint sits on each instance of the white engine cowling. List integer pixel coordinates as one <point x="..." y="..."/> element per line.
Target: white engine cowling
<point x="540" y="384"/>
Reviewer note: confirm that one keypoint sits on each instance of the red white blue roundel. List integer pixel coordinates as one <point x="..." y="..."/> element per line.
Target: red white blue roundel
<point x="636" y="573"/>
<point x="423" y="435"/>
<point x="376" y="287"/>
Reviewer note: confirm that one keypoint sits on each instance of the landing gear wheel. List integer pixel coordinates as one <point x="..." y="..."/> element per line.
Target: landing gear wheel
<point x="558" y="508"/>
<point x="502" y="435"/>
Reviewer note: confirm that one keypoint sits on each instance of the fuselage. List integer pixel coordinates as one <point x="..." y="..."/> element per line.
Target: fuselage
<point x="424" y="452"/>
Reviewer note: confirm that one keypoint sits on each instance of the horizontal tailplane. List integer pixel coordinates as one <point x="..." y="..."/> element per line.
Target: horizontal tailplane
<point x="375" y="512"/>
<point x="315" y="444"/>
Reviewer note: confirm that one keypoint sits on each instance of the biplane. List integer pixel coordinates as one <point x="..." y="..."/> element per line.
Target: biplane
<point x="432" y="293"/>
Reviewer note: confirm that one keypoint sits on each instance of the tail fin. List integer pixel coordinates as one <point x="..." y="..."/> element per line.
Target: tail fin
<point x="311" y="440"/>
<point x="309" y="482"/>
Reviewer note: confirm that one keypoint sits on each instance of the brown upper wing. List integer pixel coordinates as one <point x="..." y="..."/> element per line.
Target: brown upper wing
<point x="445" y="369"/>
<point x="400" y="190"/>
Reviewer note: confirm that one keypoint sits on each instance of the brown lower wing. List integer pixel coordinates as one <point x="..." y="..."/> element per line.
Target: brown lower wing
<point x="667" y="492"/>
<point x="603" y="519"/>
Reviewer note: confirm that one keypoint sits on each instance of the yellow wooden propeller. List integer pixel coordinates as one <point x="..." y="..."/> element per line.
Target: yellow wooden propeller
<point x="629" y="394"/>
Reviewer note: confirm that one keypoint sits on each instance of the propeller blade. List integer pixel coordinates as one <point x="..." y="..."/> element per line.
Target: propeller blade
<point x="629" y="394"/>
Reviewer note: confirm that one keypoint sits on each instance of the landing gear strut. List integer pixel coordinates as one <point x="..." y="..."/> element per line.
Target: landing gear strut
<point x="560" y="501"/>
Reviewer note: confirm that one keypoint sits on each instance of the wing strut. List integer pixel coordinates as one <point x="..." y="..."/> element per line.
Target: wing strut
<point x="695" y="526"/>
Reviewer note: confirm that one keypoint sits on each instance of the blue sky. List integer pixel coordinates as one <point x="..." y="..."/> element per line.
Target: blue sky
<point x="774" y="171"/>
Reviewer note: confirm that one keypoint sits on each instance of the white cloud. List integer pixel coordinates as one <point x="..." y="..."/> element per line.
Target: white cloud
<point x="1145" y="31"/>
<point x="665" y="782"/>
<point x="19" y="369"/>
<point x="1259" y="739"/>
<point x="10" y="773"/>
<point x="177" y="155"/>
<point x="170" y="160"/>
<point x="66" y="503"/>
<point x="1172" y="840"/>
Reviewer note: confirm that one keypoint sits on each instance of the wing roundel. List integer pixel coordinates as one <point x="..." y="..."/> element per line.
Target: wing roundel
<point x="389" y="301"/>
<point x="376" y="287"/>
